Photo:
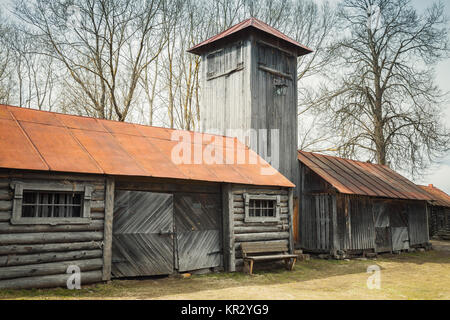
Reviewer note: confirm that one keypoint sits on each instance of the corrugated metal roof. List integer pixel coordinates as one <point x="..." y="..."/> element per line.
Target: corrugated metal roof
<point x="440" y="198"/>
<point x="40" y="140"/>
<point x="362" y="178"/>
<point x="252" y="23"/>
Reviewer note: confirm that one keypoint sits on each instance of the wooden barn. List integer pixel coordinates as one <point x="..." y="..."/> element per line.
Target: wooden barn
<point x="438" y="213"/>
<point x="350" y="207"/>
<point x="108" y="198"/>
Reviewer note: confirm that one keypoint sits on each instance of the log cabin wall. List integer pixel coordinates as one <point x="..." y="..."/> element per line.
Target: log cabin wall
<point x="438" y="220"/>
<point x="273" y="231"/>
<point x="38" y="255"/>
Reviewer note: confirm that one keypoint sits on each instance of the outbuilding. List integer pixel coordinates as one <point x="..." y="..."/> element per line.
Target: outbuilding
<point x="350" y="207"/>
<point x="114" y="199"/>
<point x="438" y="213"/>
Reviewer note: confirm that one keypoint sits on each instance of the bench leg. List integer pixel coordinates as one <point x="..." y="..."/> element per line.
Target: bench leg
<point x="251" y="267"/>
<point x="293" y="263"/>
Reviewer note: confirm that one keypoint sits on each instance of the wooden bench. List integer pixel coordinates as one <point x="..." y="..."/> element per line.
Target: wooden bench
<point x="265" y="251"/>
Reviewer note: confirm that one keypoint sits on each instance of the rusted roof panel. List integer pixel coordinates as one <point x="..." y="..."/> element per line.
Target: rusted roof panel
<point x="108" y="153"/>
<point x="361" y="178"/>
<point x="440" y="198"/>
<point x="252" y="23"/>
<point x="16" y="151"/>
<point x="77" y="122"/>
<point x="149" y="157"/>
<point x="36" y="116"/>
<point x="49" y="140"/>
<point x="39" y="140"/>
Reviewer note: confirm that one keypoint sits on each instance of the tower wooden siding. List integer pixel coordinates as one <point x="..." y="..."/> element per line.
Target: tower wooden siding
<point x="238" y="92"/>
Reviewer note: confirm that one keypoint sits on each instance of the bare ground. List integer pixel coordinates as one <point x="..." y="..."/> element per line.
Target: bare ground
<point x="419" y="275"/>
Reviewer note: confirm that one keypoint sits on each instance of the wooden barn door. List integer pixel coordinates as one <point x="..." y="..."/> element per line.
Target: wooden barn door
<point x="383" y="238"/>
<point x="142" y="234"/>
<point x="198" y="236"/>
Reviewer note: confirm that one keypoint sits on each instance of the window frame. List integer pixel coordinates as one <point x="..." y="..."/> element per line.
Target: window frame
<point x="248" y="197"/>
<point x="19" y="187"/>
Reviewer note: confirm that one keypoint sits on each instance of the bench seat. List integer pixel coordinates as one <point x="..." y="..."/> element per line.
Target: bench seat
<point x="271" y="257"/>
<point x="264" y="251"/>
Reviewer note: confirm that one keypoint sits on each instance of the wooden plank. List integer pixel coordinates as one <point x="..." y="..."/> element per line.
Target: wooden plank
<point x="257" y="229"/>
<point x="17" y="260"/>
<point x="108" y="229"/>
<point x="6" y="227"/>
<point x="261" y="236"/>
<point x="5" y="194"/>
<point x="5" y="216"/>
<point x="334" y="227"/>
<point x="291" y="220"/>
<point x="228" y="228"/>
<point x="49" y="237"/>
<point x="43" y="269"/>
<point x="51" y="281"/>
<point x="50" y="247"/>
<point x="5" y="205"/>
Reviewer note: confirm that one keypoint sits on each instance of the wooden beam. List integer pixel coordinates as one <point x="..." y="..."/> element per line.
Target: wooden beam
<point x="107" y="242"/>
<point x="291" y="220"/>
<point x="228" y="228"/>
<point x="51" y="281"/>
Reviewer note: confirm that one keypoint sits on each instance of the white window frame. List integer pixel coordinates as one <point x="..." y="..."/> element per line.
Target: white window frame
<point x="19" y="187"/>
<point x="248" y="197"/>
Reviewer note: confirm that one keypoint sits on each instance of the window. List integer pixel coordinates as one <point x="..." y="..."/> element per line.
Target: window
<point x="224" y="61"/>
<point x="51" y="203"/>
<point x="261" y="208"/>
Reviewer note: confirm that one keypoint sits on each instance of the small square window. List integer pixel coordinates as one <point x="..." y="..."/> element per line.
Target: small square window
<point x="38" y="204"/>
<point x="261" y="208"/>
<point x="53" y="203"/>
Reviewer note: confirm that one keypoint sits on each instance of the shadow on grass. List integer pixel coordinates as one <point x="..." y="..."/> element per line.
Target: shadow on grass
<point x="264" y="274"/>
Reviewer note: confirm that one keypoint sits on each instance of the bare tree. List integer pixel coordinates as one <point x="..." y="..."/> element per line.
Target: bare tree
<point x="103" y="45"/>
<point x="384" y="105"/>
<point x="6" y="78"/>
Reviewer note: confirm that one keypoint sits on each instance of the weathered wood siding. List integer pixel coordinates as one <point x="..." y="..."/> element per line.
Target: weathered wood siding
<point x="316" y="219"/>
<point x="238" y="92"/>
<point x="37" y="256"/>
<point x="417" y="223"/>
<point x="330" y="221"/>
<point x="197" y="222"/>
<point x="241" y="232"/>
<point x="357" y="224"/>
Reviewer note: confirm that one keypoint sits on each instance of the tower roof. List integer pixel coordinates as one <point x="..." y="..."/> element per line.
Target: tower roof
<point x="255" y="24"/>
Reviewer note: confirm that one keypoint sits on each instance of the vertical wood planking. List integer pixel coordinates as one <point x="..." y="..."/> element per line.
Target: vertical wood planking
<point x="108" y="228"/>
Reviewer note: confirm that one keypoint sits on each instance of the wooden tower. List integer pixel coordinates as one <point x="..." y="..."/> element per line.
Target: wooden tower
<point x="248" y="81"/>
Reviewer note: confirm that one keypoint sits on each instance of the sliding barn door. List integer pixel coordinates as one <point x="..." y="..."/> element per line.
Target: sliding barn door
<point x="142" y="234"/>
<point x="197" y="222"/>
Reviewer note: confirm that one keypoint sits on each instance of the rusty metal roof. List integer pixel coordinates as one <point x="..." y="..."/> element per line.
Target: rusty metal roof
<point x="40" y="140"/>
<point x="252" y="23"/>
<point x="361" y="178"/>
<point x="440" y="198"/>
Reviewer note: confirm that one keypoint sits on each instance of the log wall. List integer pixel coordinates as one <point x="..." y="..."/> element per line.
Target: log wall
<point x="280" y="231"/>
<point x="37" y="256"/>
